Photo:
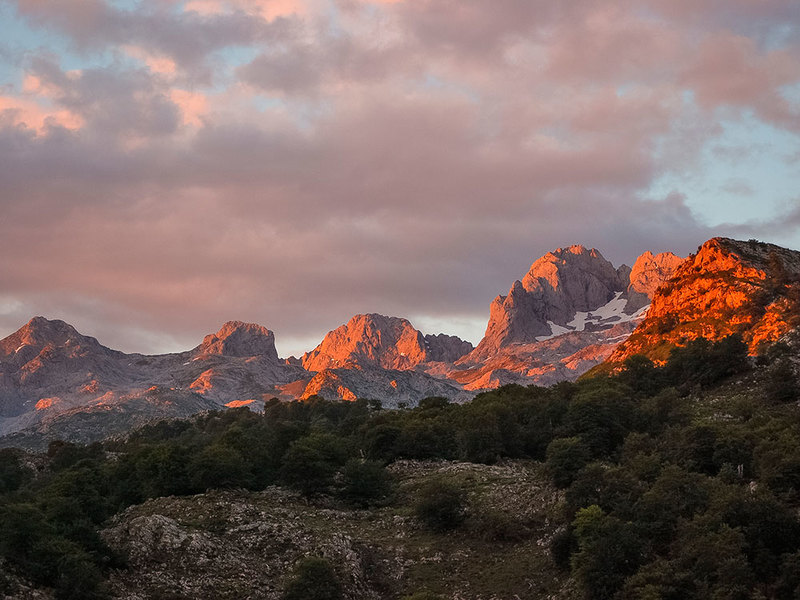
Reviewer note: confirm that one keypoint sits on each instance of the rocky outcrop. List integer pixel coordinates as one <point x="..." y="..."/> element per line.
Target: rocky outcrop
<point x="648" y="273"/>
<point x="236" y="338"/>
<point x="374" y="341"/>
<point x="749" y="288"/>
<point x="557" y="286"/>
<point x="446" y="348"/>
<point x="233" y="544"/>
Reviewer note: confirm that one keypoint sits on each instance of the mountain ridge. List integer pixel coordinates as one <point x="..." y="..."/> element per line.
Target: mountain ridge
<point x="570" y="312"/>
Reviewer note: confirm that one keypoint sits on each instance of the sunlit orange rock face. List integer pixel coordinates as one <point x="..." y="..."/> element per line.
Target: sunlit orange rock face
<point x="729" y="286"/>
<point x="239" y="403"/>
<point x="46" y="403"/>
<point x="204" y="383"/>
<point x="370" y="340"/>
<point x="648" y="273"/>
<point x="327" y="383"/>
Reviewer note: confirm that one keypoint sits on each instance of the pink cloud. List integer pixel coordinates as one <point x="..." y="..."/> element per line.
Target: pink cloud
<point x="730" y="69"/>
<point x="193" y="106"/>
<point x="408" y="160"/>
<point x="28" y="113"/>
<point x="156" y="62"/>
<point x="608" y="43"/>
<point x="267" y="9"/>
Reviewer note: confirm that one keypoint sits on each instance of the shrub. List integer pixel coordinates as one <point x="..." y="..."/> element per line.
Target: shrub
<point x="314" y="579"/>
<point x="781" y="385"/>
<point x="433" y="402"/>
<point x="609" y="550"/>
<point x="364" y="482"/>
<point x="12" y="472"/>
<point x="562" y="546"/>
<point x="493" y="525"/>
<point x="218" y="466"/>
<point x="441" y="505"/>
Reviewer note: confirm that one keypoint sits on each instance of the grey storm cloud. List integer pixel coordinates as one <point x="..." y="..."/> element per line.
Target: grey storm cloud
<point x="411" y="158"/>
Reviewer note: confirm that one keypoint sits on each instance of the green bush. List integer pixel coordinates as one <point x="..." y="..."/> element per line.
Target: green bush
<point x="781" y="384"/>
<point x="218" y="466"/>
<point x="313" y="579"/>
<point x="365" y="482"/>
<point x="492" y="525"/>
<point x="441" y="505"/>
<point x="609" y="550"/>
<point x="562" y="546"/>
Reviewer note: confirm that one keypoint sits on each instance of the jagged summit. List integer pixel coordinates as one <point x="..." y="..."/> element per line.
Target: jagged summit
<point x="557" y="286"/>
<point x="576" y="275"/>
<point x="446" y="348"/>
<point x="236" y="338"/>
<point x="647" y="274"/>
<point x="369" y="340"/>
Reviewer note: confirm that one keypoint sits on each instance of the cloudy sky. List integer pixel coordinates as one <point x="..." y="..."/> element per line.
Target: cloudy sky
<point x="167" y="165"/>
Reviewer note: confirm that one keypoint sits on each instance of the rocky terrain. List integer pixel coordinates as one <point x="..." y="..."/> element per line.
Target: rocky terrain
<point x="729" y="286"/>
<point x="563" y="317"/>
<point x="232" y="544"/>
<point x="557" y="286"/>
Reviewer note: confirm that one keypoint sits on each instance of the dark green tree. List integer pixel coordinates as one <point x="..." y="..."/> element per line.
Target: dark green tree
<point x="565" y="457"/>
<point x="609" y="551"/>
<point x="311" y="462"/>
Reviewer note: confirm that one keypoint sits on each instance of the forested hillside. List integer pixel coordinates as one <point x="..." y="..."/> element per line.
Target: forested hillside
<point x="679" y="481"/>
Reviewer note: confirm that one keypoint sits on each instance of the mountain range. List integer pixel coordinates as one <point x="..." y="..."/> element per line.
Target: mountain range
<point x="571" y="311"/>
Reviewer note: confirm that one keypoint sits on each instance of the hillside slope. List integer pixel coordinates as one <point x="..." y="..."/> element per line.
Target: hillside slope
<point x="728" y="287"/>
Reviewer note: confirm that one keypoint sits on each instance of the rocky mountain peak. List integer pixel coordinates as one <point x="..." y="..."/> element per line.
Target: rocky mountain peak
<point x="729" y="286"/>
<point x="647" y="274"/>
<point x="723" y="254"/>
<point x="557" y="285"/>
<point x="578" y="278"/>
<point x="40" y="332"/>
<point x="369" y="340"/>
<point x="236" y="338"/>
